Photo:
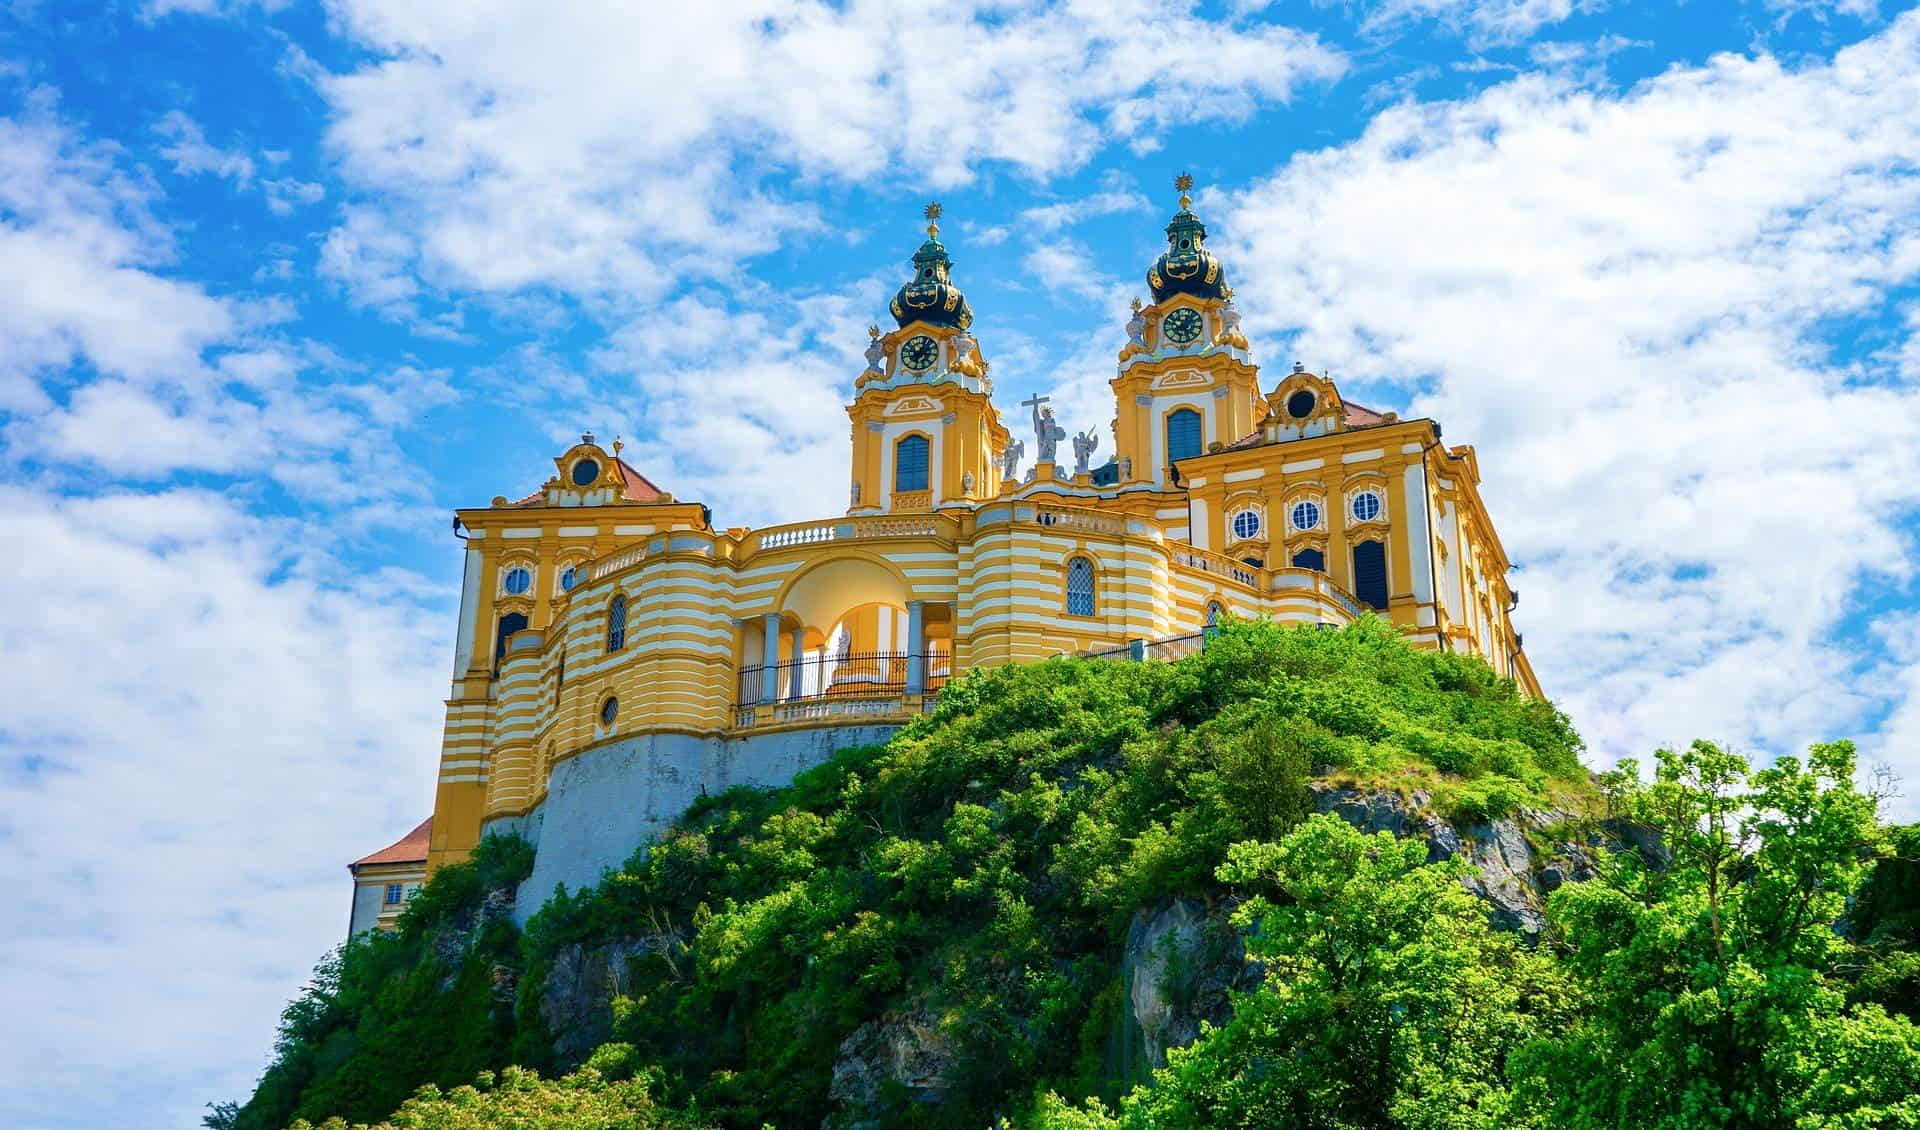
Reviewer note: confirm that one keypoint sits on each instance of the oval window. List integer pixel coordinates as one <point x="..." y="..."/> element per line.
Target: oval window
<point x="1366" y="505"/>
<point x="1300" y="405"/>
<point x="609" y="710"/>
<point x="1246" y="524"/>
<point x="518" y="580"/>
<point x="569" y="577"/>
<point x="585" y="472"/>
<point x="1306" y="515"/>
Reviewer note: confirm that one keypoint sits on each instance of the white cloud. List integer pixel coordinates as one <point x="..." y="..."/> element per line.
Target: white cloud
<point x="201" y="713"/>
<point x="585" y="148"/>
<point x="1622" y="302"/>
<point x="1484" y="21"/>
<point x="192" y="154"/>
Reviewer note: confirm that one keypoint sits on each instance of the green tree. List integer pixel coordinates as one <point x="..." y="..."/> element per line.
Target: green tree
<point x="518" y="1099"/>
<point x="1710" y="983"/>
<point x="1386" y="1001"/>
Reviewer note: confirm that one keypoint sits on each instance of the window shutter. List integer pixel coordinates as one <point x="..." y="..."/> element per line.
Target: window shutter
<point x="1183" y="435"/>
<point x="910" y="464"/>
<point x="1370" y="574"/>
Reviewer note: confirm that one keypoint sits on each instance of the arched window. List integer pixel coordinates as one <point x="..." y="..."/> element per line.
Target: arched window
<point x="910" y="463"/>
<point x="1080" y="600"/>
<point x="617" y="624"/>
<point x="1214" y="612"/>
<point x="1183" y="434"/>
<point x="1310" y="559"/>
<point x="1370" y="574"/>
<point x="510" y="623"/>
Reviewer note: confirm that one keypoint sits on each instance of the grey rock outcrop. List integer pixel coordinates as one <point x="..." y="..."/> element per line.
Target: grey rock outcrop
<point x="576" y="998"/>
<point x="898" y="1058"/>
<point x="1510" y="873"/>
<point x="1181" y="964"/>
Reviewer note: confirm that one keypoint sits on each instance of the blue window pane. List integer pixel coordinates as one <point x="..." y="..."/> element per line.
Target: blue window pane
<point x="1306" y="515"/>
<point x="393" y="894"/>
<point x="910" y="463"/>
<point x="1183" y="435"/>
<point x="510" y="623"/>
<point x="609" y="710"/>
<point x="1246" y="524"/>
<point x="518" y="580"/>
<point x="1310" y="559"/>
<point x="1370" y="573"/>
<point x="1366" y="506"/>
<point x="1080" y="600"/>
<point x="585" y="472"/>
<point x="569" y="578"/>
<point x="617" y="624"/>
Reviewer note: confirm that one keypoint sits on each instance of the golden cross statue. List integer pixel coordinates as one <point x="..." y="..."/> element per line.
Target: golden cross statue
<point x="933" y="219"/>
<point x="1184" y="185"/>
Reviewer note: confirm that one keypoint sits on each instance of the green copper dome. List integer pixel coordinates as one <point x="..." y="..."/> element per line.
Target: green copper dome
<point x="1186" y="266"/>
<point x="930" y="295"/>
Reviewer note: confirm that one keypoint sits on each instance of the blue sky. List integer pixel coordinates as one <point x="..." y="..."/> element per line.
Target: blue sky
<point x="287" y="282"/>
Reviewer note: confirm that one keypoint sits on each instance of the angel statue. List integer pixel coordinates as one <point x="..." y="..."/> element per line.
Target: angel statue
<point x="1137" y="329"/>
<point x="1010" y="460"/>
<point x="1084" y="445"/>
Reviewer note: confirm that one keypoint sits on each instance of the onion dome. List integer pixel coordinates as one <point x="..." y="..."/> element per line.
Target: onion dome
<point x="930" y="295"/>
<point x="1186" y="266"/>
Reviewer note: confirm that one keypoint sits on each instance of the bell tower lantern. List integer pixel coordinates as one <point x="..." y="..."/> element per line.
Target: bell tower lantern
<point x="1187" y="383"/>
<point x="925" y="432"/>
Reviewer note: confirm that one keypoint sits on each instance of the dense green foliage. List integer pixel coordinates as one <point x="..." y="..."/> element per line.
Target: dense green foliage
<point x="520" y="1100"/>
<point x="976" y="877"/>
<point x="1706" y="993"/>
<point x="979" y="871"/>
<point x="388" y="1012"/>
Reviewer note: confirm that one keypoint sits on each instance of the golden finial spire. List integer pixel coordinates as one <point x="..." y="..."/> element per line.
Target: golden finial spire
<point x="873" y="332"/>
<point x="933" y="220"/>
<point x="617" y="445"/>
<point x="1136" y="305"/>
<point x="1184" y="185"/>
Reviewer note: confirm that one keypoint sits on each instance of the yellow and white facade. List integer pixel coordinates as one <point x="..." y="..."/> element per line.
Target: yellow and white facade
<point x="617" y="655"/>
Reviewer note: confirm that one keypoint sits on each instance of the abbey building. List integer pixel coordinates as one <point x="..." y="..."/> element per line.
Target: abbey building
<point x="617" y="655"/>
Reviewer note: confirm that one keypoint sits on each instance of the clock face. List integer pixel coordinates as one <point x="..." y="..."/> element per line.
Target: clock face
<point x="1183" y="325"/>
<point x="919" y="353"/>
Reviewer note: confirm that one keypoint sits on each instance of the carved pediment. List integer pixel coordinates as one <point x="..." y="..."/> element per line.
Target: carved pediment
<point x="913" y="406"/>
<point x="1181" y="378"/>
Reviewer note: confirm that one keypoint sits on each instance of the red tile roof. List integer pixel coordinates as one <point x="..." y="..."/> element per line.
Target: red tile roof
<point x="634" y="487"/>
<point x="411" y="848"/>
<point x="1357" y="417"/>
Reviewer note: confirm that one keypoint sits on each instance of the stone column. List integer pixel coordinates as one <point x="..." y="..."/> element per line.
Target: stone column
<point x="796" y="686"/>
<point x="770" y="657"/>
<point x="916" y="647"/>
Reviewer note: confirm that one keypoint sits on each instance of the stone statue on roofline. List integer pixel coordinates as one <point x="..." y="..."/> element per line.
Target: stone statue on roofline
<point x="1010" y="460"/>
<point x="1084" y="445"/>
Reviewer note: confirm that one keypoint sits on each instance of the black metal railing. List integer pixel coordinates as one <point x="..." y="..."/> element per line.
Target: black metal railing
<point x="861" y="674"/>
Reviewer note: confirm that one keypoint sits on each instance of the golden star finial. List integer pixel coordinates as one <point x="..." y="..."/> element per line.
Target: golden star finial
<point x="1136" y="305"/>
<point x="873" y="332"/>
<point x="1184" y="185"/>
<point x="933" y="219"/>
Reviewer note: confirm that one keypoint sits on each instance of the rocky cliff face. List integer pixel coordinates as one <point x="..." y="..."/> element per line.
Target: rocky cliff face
<point x="1180" y="963"/>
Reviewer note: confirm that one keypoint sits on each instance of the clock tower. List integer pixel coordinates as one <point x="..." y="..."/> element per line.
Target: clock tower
<point x="1187" y="383"/>
<point x="925" y="433"/>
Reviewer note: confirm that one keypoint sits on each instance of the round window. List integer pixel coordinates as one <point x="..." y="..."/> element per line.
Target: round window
<point x="518" y="580"/>
<point x="569" y="577"/>
<point x="585" y="472"/>
<point x="1300" y="405"/>
<point x="1366" y="505"/>
<point x="609" y="710"/>
<point x="1246" y="524"/>
<point x="1306" y="515"/>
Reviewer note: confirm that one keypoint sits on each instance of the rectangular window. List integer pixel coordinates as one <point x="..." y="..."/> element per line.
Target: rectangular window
<point x="393" y="894"/>
<point x="910" y="464"/>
